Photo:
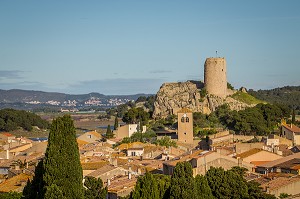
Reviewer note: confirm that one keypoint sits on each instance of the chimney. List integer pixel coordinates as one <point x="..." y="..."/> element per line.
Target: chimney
<point x="108" y="182"/>
<point x="129" y="175"/>
<point x="7" y="154"/>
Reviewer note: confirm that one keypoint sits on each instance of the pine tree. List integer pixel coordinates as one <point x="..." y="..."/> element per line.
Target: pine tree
<point x="59" y="175"/>
<point x="182" y="181"/>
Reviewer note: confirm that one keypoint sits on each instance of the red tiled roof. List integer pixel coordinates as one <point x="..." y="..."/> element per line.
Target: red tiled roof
<point x="292" y="128"/>
<point x="257" y="163"/>
<point x="8" y="134"/>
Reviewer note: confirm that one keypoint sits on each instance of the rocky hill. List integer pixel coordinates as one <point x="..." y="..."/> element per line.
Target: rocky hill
<point x="171" y="97"/>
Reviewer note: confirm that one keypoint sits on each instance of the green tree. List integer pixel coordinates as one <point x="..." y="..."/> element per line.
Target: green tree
<point x="202" y="189"/>
<point x="283" y="195"/>
<point x="203" y="93"/>
<point x="116" y="125"/>
<point x="54" y="192"/>
<point x="227" y="184"/>
<point x="61" y="165"/>
<point x="256" y="192"/>
<point x="229" y="86"/>
<point x="11" y="195"/>
<point x="109" y="133"/>
<point x="166" y="141"/>
<point x="59" y="174"/>
<point x="182" y="181"/>
<point x="146" y="188"/>
<point x="95" y="189"/>
<point x="135" y="115"/>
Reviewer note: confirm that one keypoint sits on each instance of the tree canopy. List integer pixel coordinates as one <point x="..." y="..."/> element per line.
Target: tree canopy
<point x="59" y="173"/>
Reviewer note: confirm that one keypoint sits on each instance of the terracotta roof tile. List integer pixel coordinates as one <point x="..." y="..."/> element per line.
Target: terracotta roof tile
<point x="8" y="134"/>
<point x="102" y="170"/>
<point x="292" y="128"/>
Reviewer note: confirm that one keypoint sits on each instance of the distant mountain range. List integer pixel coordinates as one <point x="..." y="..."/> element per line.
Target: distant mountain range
<point x="24" y="99"/>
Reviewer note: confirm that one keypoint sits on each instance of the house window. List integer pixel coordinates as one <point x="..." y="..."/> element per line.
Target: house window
<point x="187" y="119"/>
<point x="133" y="153"/>
<point x="184" y="133"/>
<point x="182" y="120"/>
<point x="90" y="136"/>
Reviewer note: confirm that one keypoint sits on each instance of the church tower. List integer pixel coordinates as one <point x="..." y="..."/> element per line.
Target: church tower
<point x="185" y="126"/>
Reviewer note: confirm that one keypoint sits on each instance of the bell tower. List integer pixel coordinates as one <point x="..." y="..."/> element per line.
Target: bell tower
<point x="185" y="126"/>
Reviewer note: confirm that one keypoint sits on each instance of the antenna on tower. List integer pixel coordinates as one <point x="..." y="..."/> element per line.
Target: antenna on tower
<point x="216" y="53"/>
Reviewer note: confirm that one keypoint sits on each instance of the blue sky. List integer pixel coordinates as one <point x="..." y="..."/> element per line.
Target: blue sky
<point x="128" y="47"/>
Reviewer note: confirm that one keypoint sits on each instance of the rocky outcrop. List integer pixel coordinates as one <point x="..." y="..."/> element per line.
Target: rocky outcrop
<point x="172" y="97"/>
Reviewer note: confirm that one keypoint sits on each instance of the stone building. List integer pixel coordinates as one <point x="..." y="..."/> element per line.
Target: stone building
<point x="185" y="126"/>
<point x="215" y="80"/>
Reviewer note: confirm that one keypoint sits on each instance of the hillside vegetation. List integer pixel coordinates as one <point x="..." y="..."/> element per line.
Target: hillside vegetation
<point x="288" y="95"/>
<point x="11" y="119"/>
<point x="246" y="98"/>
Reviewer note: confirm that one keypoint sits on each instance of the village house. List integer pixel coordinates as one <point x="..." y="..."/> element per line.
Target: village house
<point x="89" y="137"/>
<point x="276" y="184"/>
<point x="121" y="186"/>
<point x="288" y="164"/>
<point x="139" y="151"/>
<point x="257" y="155"/>
<point x="127" y="130"/>
<point x="108" y="172"/>
<point x="201" y="162"/>
<point x="291" y="132"/>
<point x="7" y="137"/>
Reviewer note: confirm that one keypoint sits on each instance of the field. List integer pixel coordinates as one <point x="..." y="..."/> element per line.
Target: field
<point x="82" y="122"/>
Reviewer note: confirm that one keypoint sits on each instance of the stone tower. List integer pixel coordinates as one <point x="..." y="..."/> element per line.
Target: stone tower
<point x="215" y="80"/>
<point x="185" y="126"/>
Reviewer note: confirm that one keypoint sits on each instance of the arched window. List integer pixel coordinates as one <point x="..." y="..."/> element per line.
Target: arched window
<point x="182" y="120"/>
<point x="187" y="119"/>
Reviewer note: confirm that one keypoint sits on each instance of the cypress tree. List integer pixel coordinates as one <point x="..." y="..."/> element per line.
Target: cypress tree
<point x="109" y="133"/>
<point x="61" y="165"/>
<point x="53" y="192"/>
<point x="116" y="125"/>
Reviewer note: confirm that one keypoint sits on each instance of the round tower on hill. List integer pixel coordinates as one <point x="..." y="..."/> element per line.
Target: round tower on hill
<point x="215" y="80"/>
